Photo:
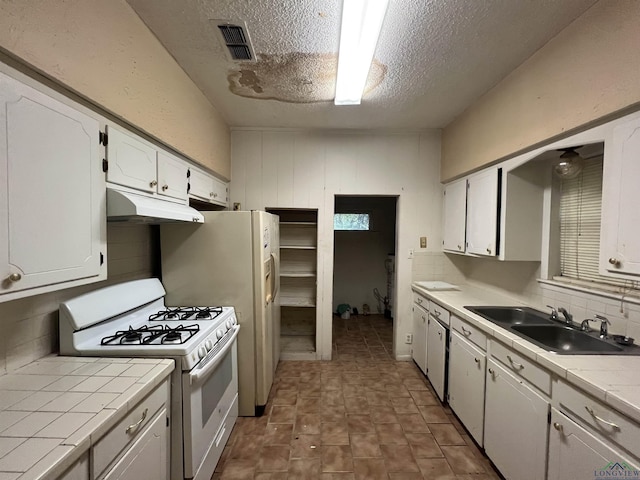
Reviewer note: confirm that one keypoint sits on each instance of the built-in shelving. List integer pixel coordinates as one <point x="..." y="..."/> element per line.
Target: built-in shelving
<point x="298" y="284"/>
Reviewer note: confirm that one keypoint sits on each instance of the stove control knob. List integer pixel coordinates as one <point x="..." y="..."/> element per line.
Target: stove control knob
<point x="202" y="352"/>
<point x="229" y="324"/>
<point x="208" y="344"/>
<point x="219" y="334"/>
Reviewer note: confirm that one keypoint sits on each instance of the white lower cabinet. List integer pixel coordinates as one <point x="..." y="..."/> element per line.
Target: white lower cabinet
<point x="419" y="350"/>
<point x="576" y="454"/>
<point x="515" y="426"/>
<point x="436" y="355"/>
<point x="79" y="470"/>
<point x="466" y="384"/>
<point x="146" y="459"/>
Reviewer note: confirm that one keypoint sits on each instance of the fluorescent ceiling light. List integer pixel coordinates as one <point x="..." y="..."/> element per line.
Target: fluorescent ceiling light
<point x="361" y="24"/>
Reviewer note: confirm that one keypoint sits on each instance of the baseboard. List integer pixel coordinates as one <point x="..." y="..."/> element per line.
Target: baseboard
<point x="404" y="358"/>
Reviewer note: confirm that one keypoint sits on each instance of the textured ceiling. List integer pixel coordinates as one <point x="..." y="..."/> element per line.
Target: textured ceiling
<point x="434" y="57"/>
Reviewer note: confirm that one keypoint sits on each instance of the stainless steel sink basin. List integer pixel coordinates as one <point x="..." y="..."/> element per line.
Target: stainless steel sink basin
<point x="538" y="328"/>
<point x="564" y="339"/>
<point x="508" y="316"/>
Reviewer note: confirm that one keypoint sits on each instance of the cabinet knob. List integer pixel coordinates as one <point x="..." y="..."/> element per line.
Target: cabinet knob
<point x="459" y="247"/>
<point x="489" y="251"/>
<point x="614" y="261"/>
<point x="211" y="194"/>
<point x="15" y="277"/>
<point x="558" y="427"/>
<point x="165" y="187"/>
<point x="492" y="372"/>
<point x="477" y="360"/>
<point x="153" y="183"/>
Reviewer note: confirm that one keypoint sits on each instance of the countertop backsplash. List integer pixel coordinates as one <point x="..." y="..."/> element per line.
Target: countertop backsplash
<point x="519" y="280"/>
<point x="30" y="324"/>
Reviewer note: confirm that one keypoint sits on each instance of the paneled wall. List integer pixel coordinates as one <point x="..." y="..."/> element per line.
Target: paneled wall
<point x="588" y="71"/>
<point x="30" y="325"/>
<point x="295" y="169"/>
<point x="104" y="52"/>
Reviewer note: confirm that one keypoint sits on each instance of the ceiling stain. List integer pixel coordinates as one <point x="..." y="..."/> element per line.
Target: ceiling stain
<point x="295" y="77"/>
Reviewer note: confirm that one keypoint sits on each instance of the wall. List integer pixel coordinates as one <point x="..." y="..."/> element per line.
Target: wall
<point x="30" y="325"/>
<point x="103" y="51"/>
<point x="307" y="169"/>
<point x="588" y="71"/>
<point x="359" y="256"/>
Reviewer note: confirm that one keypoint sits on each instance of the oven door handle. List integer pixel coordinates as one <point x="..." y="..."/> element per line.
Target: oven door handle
<point x="202" y="373"/>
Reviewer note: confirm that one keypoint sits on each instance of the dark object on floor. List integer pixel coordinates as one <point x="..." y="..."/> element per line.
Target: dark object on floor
<point x="365" y="309"/>
<point x="354" y="310"/>
<point x="387" y="313"/>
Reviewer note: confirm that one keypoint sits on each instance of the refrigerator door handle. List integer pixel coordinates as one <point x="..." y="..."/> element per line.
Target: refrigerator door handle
<point x="275" y="264"/>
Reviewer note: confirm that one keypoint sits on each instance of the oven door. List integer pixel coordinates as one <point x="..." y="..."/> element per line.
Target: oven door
<point x="209" y="395"/>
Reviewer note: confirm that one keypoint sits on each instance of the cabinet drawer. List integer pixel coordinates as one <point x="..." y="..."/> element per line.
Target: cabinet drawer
<point x="440" y="313"/>
<point x="522" y="367"/>
<point x="603" y="419"/>
<point x="471" y="333"/>
<point x="420" y="300"/>
<point x="119" y="437"/>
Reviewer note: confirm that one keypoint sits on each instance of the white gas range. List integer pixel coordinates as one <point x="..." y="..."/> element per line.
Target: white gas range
<point x="131" y="320"/>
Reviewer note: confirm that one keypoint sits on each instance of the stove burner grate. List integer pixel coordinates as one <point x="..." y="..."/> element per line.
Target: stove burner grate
<point x="186" y="313"/>
<point x="152" y="335"/>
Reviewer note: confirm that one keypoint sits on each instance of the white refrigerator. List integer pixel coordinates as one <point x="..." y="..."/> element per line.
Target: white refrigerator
<point x="232" y="259"/>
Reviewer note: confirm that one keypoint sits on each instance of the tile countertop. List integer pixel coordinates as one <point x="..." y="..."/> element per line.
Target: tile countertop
<point x="613" y="379"/>
<point x="54" y="409"/>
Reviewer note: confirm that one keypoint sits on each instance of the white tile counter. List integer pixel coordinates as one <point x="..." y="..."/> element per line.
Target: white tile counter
<point x="54" y="409"/>
<point x="613" y="379"/>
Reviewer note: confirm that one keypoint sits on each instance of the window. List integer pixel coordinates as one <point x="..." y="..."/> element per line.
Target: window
<point x="351" y="221"/>
<point x="580" y="210"/>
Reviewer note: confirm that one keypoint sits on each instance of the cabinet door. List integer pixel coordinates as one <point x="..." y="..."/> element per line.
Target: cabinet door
<point x="515" y="426"/>
<point x="575" y="454"/>
<point x="220" y="192"/>
<point x="147" y="458"/>
<point x="419" y="350"/>
<point x="52" y="201"/>
<point x="455" y="216"/>
<point x="172" y="176"/>
<point x="466" y="384"/>
<point x="132" y="161"/>
<point x="436" y="355"/>
<point x="201" y="185"/>
<point x="482" y="213"/>
<point x="620" y="251"/>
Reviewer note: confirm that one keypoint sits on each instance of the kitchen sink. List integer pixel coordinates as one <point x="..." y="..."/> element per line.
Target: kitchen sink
<point x="565" y="339"/>
<point x="538" y="328"/>
<point x="512" y="315"/>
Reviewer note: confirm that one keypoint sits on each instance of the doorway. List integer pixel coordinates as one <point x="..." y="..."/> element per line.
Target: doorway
<point x="364" y="268"/>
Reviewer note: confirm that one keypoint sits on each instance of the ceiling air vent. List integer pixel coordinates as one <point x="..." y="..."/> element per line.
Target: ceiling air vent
<point x="236" y="39"/>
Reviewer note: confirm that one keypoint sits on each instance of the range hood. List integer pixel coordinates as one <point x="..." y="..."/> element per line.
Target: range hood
<point x="133" y="208"/>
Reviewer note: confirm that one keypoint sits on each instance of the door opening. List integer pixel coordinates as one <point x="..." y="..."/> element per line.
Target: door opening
<point x="364" y="273"/>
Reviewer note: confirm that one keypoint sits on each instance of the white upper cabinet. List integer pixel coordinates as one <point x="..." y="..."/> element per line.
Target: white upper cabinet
<point x="52" y="209"/>
<point x="454" y="216"/>
<point x="207" y="188"/>
<point x="620" y="248"/>
<point x="482" y="212"/>
<point x="132" y="161"/>
<point x="172" y="176"/>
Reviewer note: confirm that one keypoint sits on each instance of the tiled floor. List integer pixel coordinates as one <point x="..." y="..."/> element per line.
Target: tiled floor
<point x="361" y="416"/>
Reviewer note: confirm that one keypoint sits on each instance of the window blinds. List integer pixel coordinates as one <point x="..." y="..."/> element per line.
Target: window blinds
<point x="580" y="210"/>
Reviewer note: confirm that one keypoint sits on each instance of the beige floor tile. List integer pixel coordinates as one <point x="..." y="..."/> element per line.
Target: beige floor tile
<point x="369" y="469"/>
<point x="307" y="424"/>
<point x="390" y="434"/>
<point x="399" y="458"/>
<point x="360" y="424"/>
<point x="278" y="434"/>
<point x="282" y="414"/>
<point x="404" y="405"/>
<point x="274" y="459"/>
<point x="424" y="445"/>
<point x="335" y="433"/>
<point x="285" y="397"/>
<point x="306" y="446"/>
<point x="337" y="458"/>
<point x="446" y="434"/>
<point x="305" y="469"/>
<point x="462" y="460"/>
<point x="435" y="469"/>
<point x="413" y="423"/>
<point x="238" y="470"/>
<point x="365" y="445"/>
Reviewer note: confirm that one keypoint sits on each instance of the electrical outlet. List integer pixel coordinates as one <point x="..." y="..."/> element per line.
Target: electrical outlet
<point x="423" y="242"/>
<point x="408" y="338"/>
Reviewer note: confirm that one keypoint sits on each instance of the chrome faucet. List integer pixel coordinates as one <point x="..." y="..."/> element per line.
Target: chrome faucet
<point x="554" y="313"/>
<point x="604" y="331"/>
<point x="568" y="318"/>
<point x="584" y="325"/>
